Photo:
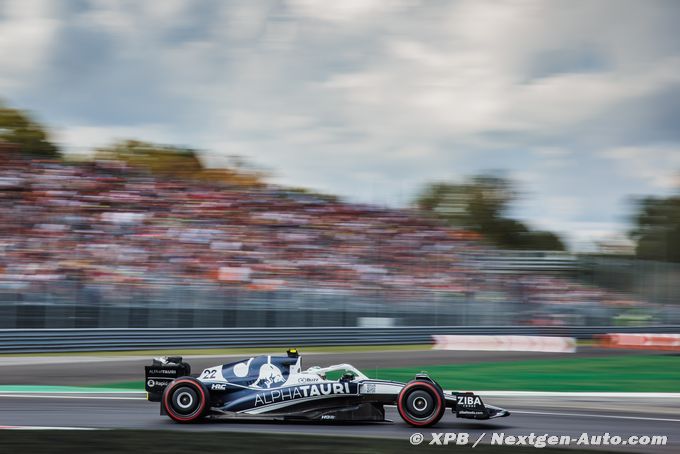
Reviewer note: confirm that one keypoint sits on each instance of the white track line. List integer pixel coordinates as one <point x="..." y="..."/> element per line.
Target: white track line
<point x="579" y="415"/>
<point x="643" y="418"/>
<point x="86" y="391"/>
<point x="46" y="428"/>
<point x="590" y="415"/>
<point x="577" y="394"/>
<point x="558" y="394"/>
<point x="52" y="396"/>
<point x="480" y="393"/>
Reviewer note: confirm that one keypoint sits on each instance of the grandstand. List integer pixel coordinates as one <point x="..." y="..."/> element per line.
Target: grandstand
<point x="107" y="234"/>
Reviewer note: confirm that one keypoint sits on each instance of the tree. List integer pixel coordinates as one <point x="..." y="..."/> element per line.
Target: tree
<point x="481" y="205"/>
<point x="177" y="162"/>
<point x="31" y="139"/>
<point x="657" y="228"/>
<point x="157" y="158"/>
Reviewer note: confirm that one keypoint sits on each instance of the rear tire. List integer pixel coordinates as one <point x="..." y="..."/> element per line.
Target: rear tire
<point x="185" y="400"/>
<point x="421" y="403"/>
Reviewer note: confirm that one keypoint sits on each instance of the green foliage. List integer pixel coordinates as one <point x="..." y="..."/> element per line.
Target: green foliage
<point x="543" y="240"/>
<point x="157" y="158"/>
<point x="310" y="192"/>
<point x="17" y="128"/>
<point x="657" y="229"/>
<point x="481" y="205"/>
<point x="176" y="162"/>
<point x="472" y="204"/>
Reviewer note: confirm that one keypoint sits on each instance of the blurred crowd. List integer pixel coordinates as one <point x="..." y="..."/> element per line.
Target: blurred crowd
<point x="106" y="223"/>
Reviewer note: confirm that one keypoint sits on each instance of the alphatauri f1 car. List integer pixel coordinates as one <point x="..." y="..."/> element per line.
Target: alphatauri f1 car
<point x="276" y="388"/>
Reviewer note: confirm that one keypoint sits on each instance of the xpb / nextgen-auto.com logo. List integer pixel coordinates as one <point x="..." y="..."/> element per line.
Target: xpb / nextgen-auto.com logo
<point x="534" y="440"/>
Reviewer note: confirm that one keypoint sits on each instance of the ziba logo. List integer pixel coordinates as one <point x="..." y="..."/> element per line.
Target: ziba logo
<point x="469" y="401"/>
<point x="218" y="387"/>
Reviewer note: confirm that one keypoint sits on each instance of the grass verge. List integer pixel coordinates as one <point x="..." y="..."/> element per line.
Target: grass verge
<point x="653" y="373"/>
<point x="639" y="373"/>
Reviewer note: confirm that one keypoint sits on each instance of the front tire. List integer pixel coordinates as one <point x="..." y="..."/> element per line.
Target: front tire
<point x="421" y="403"/>
<point x="185" y="400"/>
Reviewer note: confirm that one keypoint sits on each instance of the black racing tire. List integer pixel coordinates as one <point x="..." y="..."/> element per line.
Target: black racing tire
<point x="421" y="403"/>
<point x="185" y="400"/>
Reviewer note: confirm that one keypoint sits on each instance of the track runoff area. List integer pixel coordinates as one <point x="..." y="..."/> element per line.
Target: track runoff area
<point x="90" y="393"/>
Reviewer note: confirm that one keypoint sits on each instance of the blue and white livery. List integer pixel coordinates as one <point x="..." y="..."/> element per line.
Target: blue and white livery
<point x="277" y="388"/>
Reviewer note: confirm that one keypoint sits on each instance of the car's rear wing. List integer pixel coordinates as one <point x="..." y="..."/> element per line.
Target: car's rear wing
<point x="161" y="372"/>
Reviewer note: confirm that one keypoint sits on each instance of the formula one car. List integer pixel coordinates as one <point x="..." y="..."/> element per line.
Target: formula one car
<point x="276" y="388"/>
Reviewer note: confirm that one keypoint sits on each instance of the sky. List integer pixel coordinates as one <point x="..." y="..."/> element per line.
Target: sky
<point x="576" y="101"/>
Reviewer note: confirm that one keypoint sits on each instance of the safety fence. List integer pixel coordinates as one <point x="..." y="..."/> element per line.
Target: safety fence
<point x="63" y="340"/>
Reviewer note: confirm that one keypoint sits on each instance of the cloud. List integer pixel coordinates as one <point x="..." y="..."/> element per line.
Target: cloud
<point x="657" y="165"/>
<point x="26" y="33"/>
<point x="370" y="99"/>
<point x="344" y="11"/>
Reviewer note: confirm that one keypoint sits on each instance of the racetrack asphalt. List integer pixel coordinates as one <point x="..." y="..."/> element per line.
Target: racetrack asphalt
<point x="564" y="415"/>
<point x="552" y="417"/>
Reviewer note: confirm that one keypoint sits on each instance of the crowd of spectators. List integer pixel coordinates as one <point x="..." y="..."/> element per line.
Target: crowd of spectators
<point x="106" y="223"/>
